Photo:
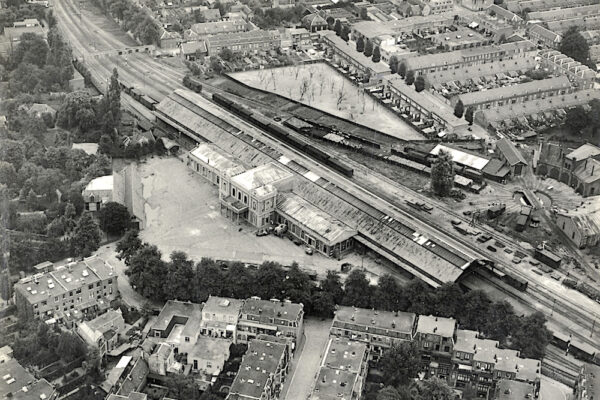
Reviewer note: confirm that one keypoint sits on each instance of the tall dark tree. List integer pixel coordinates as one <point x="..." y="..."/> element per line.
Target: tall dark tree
<point x="208" y="281"/>
<point x="574" y="45"/>
<point x="532" y="336"/>
<point x="442" y="174"/>
<point x="368" y="48"/>
<point x="323" y="304"/>
<point x="436" y="389"/>
<point x="387" y="294"/>
<point x="345" y="35"/>
<point x="238" y="282"/>
<point x="270" y="281"/>
<point x="330" y="22"/>
<point x="376" y="55"/>
<point x="360" y="45"/>
<point x="501" y="321"/>
<point x="410" y="77"/>
<point x="357" y="290"/>
<point x="420" y="83"/>
<point x="338" y="27"/>
<point x="469" y="115"/>
<point x="400" y="364"/>
<point x="459" y="109"/>
<point x="128" y="246"/>
<point x="576" y="119"/>
<point x="388" y="393"/>
<point x="394" y="64"/>
<point x="114" y="218"/>
<point x="86" y="237"/>
<point x="332" y="284"/>
<point x="363" y="13"/>
<point x="402" y="69"/>
<point x="147" y="272"/>
<point x="179" y="282"/>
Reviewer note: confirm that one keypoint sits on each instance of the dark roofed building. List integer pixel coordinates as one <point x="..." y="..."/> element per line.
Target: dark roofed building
<point x="314" y="23"/>
<point x="512" y="156"/>
<point x="273" y="317"/>
<point x="245" y="42"/>
<point x="18" y="383"/>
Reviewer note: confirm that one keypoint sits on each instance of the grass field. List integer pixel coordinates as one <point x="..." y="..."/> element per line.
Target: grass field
<point x="322" y="87"/>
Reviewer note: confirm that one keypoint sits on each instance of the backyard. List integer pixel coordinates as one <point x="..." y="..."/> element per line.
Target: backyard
<point x="322" y="87"/>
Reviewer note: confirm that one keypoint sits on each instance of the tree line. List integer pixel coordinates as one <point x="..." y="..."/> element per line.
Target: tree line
<point x="132" y="18"/>
<point x="580" y="119"/>
<point x="180" y="278"/>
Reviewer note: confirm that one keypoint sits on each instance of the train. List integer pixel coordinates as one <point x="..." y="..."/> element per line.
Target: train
<point x="576" y="348"/>
<point x="146" y="100"/>
<point x="284" y="134"/>
<point x="192" y="83"/>
<point x="547" y="257"/>
<point x="508" y="278"/>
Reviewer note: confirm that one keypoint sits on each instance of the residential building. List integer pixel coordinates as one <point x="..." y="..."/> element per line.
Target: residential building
<point x="245" y="42"/>
<point x="579" y="168"/>
<point x="371" y="30"/>
<point x="582" y="224"/>
<point x="262" y="371"/>
<point x="162" y="360"/>
<point x="244" y="10"/>
<point x="211" y="15"/>
<point x="508" y="153"/>
<point x="192" y="51"/>
<point x="559" y="63"/>
<point x="435" y="338"/>
<point x="314" y="23"/>
<point x="19" y="384"/>
<point x="220" y="317"/>
<point x="169" y="40"/>
<point x="543" y="36"/>
<point x="343" y="371"/>
<point x="208" y="356"/>
<point x="131" y="396"/>
<point x="476" y="5"/>
<point x="431" y="63"/>
<point x="587" y="386"/>
<point x="212" y="163"/>
<point x="178" y="324"/>
<point x="6" y="353"/>
<point x="272" y="317"/>
<point x="38" y="110"/>
<point x="345" y="55"/>
<point x="98" y="192"/>
<point x="462" y="38"/>
<point x="433" y="7"/>
<point x="519" y="93"/>
<point x="563" y="13"/>
<point x="78" y="287"/>
<point x="314" y="227"/>
<point x="205" y="29"/>
<point x="103" y="332"/>
<point x="379" y="329"/>
<point x="252" y="195"/>
<point x="519" y="6"/>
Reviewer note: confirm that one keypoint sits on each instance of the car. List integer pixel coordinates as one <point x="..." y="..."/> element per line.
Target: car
<point x="262" y="232"/>
<point x="492" y="248"/>
<point x="484" y="238"/>
<point x="297" y="241"/>
<point x="516" y="260"/>
<point x="309" y="250"/>
<point x="346" y="267"/>
<point x="467" y="212"/>
<point x="555" y="276"/>
<point x="427" y="207"/>
<point x="534" y="262"/>
<point x="281" y="229"/>
<point x="456" y="222"/>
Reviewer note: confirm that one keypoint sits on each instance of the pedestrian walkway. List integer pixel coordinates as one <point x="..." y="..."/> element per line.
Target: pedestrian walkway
<point x="300" y="381"/>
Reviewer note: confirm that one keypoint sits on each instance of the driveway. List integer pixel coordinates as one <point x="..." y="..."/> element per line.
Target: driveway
<point x="300" y="382"/>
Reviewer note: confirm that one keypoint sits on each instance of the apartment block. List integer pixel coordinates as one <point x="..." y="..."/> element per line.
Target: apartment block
<point x="220" y="316"/>
<point x="270" y="317"/>
<point x="67" y="290"/>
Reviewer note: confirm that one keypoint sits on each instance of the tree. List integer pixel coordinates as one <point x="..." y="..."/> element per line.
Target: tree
<point x="269" y="281"/>
<point x="5" y="286"/>
<point x="394" y="64"/>
<point x="323" y="304"/>
<point x="420" y="83"/>
<point x="576" y="119"/>
<point x="238" y="281"/>
<point x="376" y="55"/>
<point x="357" y="290"/>
<point x="459" y="109"/>
<point x="574" y="45"/>
<point x="532" y="336"/>
<point x="180" y="277"/>
<point x="114" y="218"/>
<point x="70" y="347"/>
<point x="387" y="294"/>
<point x="147" y="272"/>
<point x="436" y="389"/>
<point x="338" y="27"/>
<point x="402" y="70"/>
<point x="410" y="77"/>
<point x="442" y="174"/>
<point x="363" y="13"/>
<point x="86" y="237"/>
<point x="360" y="45"/>
<point x="8" y="175"/>
<point x="368" y="48"/>
<point x="400" y="363"/>
<point x="330" y="22"/>
<point x="501" y="321"/>
<point x="333" y="285"/>
<point x="469" y="115"/>
<point x="388" y="393"/>
<point x="345" y="35"/>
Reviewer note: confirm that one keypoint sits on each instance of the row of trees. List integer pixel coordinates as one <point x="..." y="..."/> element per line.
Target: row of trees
<point x="180" y="278"/>
<point x="132" y="18"/>
<point x="579" y="119"/>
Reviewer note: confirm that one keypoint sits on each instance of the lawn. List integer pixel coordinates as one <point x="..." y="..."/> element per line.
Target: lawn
<point x="322" y="87"/>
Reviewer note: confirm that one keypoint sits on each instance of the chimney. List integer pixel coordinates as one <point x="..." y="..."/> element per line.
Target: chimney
<point x="435" y="329"/>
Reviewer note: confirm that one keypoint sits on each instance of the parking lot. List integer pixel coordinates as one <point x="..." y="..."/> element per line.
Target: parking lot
<point x="183" y="213"/>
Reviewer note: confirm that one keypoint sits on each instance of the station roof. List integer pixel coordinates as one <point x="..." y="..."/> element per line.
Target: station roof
<point x="260" y="176"/>
<point x="462" y="157"/>
<point x="214" y="157"/>
<point x="313" y="219"/>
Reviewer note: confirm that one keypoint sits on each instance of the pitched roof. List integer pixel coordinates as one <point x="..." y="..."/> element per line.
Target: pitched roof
<point x="584" y="151"/>
<point x="510" y="152"/>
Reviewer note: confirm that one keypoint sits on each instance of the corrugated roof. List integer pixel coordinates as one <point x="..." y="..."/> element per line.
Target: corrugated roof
<point x="210" y="154"/>
<point x="510" y="152"/>
<point x="315" y="220"/>
<point x="462" y="157"/>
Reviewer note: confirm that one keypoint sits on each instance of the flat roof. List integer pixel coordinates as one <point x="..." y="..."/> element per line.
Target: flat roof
<point x="344" y="354"/>
<point x="270" y="309"/>
<point x="99" y="323"/>
<point x="175" y="308"/>
<point x="333" y="384"/>
<point x="213" y="156"/>
<point x="313" y="219"/>
<point x="391" y="321"/>
<point x="223" y="305"/>
<point x="207" y="348"/>
<point x="262" y="175"/>
<point x="102" y="183"/>
<point x="584" y="151"/>
<point x="372" y="29"/>
<point x="462" y="157"/>
<point x="430" y="324"/>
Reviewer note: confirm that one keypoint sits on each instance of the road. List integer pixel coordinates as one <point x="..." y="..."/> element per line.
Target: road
<point x="299" y="384"/>
<point x="158" y="80"/>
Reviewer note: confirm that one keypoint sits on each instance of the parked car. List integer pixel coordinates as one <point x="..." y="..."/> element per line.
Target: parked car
<point x="346" y="267"/>
<point x="484" y="238"/>
<point x="456" y="222"/>
<point x="309" y="250"/>
<point x="280" y="229"/>
<point x="492" y="248"/>
<point x="262" y="232"/>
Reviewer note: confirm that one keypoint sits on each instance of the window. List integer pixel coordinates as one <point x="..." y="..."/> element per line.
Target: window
<point x="187" y="339"/>
<point x="233" y="191"/>
<point x="110" y="281"/>
<point x="56" y="299"/>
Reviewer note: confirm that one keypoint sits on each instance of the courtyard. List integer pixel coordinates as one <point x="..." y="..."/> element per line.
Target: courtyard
<point x="322" y="87"/>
